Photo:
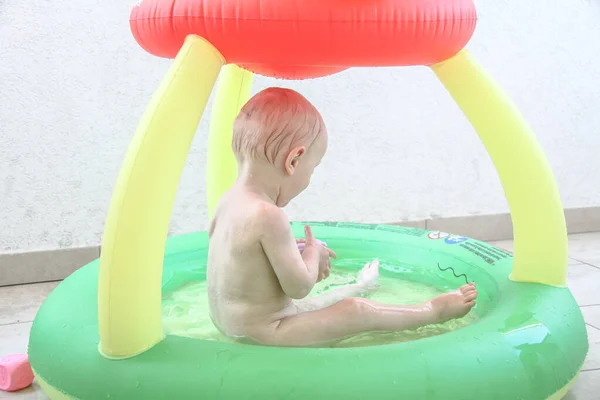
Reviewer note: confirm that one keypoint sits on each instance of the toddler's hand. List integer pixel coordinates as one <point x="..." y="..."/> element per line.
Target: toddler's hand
<point x="325" y="253"/>
<point x="325" y="263"/>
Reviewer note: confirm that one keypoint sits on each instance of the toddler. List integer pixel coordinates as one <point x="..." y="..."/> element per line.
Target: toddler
<point x="257" y="278"/>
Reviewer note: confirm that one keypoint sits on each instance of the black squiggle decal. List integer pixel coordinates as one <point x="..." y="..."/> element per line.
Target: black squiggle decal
<point x="453" y="272"/>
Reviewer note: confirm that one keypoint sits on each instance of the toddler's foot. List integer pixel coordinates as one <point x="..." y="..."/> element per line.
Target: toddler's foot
<point x="455" y="304"/>
<point x="368" y="276"/>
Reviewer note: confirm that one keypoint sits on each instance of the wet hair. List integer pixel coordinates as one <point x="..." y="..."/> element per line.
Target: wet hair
<point x="273" y="121"/>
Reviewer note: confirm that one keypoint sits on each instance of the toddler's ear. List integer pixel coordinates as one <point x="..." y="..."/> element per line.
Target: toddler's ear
<point x="293" y="158"/>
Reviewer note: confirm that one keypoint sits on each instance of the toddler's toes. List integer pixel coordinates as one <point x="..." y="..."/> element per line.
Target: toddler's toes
<point x="471" y="296"/>
<point x="470" y="287"/>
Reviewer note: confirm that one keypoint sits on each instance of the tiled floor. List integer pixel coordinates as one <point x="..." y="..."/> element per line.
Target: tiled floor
<point x="18" y="305"/>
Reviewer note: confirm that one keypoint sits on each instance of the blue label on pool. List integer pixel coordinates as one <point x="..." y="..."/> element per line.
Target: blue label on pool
<point x="456" y="239"/>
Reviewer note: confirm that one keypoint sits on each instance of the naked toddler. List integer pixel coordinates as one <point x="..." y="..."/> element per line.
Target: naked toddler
<point x="257" y="277"/>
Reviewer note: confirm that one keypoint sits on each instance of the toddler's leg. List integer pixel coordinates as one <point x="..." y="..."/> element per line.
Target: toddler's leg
<point x="353" y="316"/>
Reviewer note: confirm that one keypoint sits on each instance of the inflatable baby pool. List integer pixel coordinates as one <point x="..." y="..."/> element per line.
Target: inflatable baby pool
<point x="528" y="341"/>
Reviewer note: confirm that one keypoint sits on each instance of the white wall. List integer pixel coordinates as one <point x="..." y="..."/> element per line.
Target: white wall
<point x="74" y="84"/>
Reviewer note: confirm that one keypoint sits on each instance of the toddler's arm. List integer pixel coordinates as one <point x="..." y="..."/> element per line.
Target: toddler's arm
<point x="297" y="273"/>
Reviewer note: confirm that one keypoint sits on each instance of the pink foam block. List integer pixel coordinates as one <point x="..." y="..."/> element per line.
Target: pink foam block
<point x="15" y="372"/>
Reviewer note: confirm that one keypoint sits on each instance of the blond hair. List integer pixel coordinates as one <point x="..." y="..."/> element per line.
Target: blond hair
<point x="273" y="121"/>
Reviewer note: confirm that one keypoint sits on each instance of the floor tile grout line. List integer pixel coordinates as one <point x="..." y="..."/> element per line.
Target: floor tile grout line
<point x="590" y="370"/>
<point x="29" y="283"/>
<point x="15" y="323"/>
<point x="588" y="324"/>
<point x="586" y="263"/>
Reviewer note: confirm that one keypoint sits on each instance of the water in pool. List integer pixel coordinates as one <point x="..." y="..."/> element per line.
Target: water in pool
<point x="185" y="310"/>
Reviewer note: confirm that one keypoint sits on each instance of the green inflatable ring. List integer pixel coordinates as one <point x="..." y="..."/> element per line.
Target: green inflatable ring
<point x="529" y="342"/>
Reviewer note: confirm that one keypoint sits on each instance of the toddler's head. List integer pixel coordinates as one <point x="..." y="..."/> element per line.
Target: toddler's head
<point x="281" y="130"/>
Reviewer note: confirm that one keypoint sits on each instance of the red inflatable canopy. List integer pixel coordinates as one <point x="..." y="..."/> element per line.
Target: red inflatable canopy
<point x="296" y="39"/>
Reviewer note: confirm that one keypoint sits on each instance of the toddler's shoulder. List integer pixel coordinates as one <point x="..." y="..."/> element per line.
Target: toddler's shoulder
<point x="270" y="217"/>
